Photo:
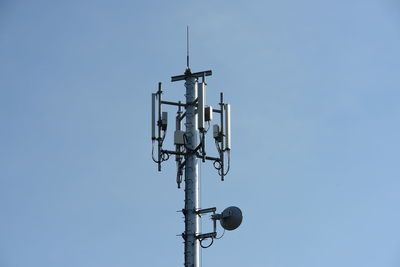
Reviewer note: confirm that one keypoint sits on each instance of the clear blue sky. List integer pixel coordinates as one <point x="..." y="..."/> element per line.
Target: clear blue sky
<point x="314" y="88"/>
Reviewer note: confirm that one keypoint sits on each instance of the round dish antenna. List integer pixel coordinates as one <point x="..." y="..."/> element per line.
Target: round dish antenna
<point x="231" y="218"/>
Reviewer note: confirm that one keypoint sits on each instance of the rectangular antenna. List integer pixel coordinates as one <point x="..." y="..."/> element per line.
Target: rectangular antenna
<point x="208" y="113"/>
<point x="216" y="133"/>
<point x="164" y="120"/>
<point x="201" y="96"/>
<point x="153" y="116"/>
<point x="227" y="126"/>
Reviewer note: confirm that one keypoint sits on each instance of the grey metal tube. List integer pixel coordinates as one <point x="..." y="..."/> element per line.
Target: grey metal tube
<point x="192" y="220"/>
<point x="153" y="116"/>
<point x="159" y="126"/>
<point x="221" y="104"/>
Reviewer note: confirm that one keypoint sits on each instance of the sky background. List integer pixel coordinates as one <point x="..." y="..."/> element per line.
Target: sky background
<point x="314" y="89"/>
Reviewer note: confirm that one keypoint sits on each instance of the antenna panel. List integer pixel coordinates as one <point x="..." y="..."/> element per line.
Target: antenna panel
<point x="153" y="116"/>
<point x="164" y="120"/>
<point x="201" y="95"/>
<point x="216" y="131"/>
<point x="227" y="127"/>
<point x="208" y="113"/>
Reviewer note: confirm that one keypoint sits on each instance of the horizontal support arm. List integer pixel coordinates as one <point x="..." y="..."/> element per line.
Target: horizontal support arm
<point x="173" y="103"/>
<point x="209" y="210"/>
<point x="187" y="75"/>
<point x="173" y="152"/>
<point x="183" y="154"/>
<point x="209" y="158"/>
<point x="207" y="235"/>
<point x="180" y="104"/>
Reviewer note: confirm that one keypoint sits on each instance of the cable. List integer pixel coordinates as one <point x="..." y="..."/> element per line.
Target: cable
<point x="179" y="178"/>
<point x="152" y="153"/>
<point x="208" y="124"/>
<point x="217" y="165"/>
<point x="164" y="156"/>
<point x="221" y="235"/>
<point x="201" y="244"/>
<point x="217" y="145"/>
<point x="162" y="139"/>
<point x="201" y="146"/>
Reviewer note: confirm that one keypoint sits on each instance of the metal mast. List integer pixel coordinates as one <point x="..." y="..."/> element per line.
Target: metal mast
<point x="192" y="220"/>
<point x="189" y="148"/>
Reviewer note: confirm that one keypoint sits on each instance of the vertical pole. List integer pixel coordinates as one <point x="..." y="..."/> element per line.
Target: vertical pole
<point x="178" y="158"/>
<point x="192" y="220"/>
<point x="221" y="104"/>
<point x="159" y="126"/>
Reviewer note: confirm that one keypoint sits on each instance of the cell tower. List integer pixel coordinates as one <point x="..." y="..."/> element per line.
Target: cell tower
<point x="190" y="148"/>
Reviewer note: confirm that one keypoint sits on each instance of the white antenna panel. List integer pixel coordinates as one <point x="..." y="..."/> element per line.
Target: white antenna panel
<point x="227" y="127"/>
